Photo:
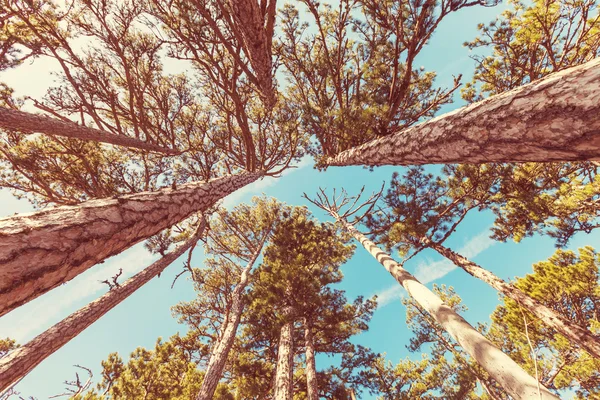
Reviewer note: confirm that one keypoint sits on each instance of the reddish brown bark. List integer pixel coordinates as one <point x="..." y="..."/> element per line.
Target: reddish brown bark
<point x="556" y="118"/>
<point x="312" y="387"/>
<point x="255" y="26"/>
<point x="40" y="251"/>
<point x="221" y="349"/>
<point x="514" y="379"/>
<point x="285" y="363"/>
<point x="24" y="359"/>
<point x="23" y="121"/>
<point x="578" y="335"/>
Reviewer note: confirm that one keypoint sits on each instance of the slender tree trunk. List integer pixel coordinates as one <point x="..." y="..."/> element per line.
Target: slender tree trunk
<point x="221" y="349"/>
<point x="23" y="121"/>
<point x="575" y="333"/>
<point x="312" y="388"/>
<point x="285" y="362"/>
<point x="40" y="251"/>
<point x="517" y="383"/>
<point x="556" y="118"/>
<point x="22" y="360"/>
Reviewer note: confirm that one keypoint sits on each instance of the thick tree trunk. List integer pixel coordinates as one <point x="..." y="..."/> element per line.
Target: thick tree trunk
<point x="556" y="118"/>
<point x="515" y="381"/>
<point x="22" y="360"/>
<point x="221" y="349"/>
<point x="285" y="363"/>
<point x="23" y="121"/>
<point x="312" y="388"/>
<point x="255" y="26"/>
<point x="40" y="251"/>
<point x="575" y="333"/>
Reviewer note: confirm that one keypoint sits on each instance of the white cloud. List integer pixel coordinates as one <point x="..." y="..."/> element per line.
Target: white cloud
<point x="38" y="315"/>
<point x="390" y="294"/>
<point x="427" y="271"/>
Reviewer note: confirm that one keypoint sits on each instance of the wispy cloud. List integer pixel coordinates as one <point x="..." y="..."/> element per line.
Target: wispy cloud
<point x="428" y="271"/>
<point x="41" y="313"/>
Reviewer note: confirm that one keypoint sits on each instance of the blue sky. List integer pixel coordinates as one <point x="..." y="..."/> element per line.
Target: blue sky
<point x="146" y="315"/>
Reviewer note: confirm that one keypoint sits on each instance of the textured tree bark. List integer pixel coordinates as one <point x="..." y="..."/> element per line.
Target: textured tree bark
<point x="285" y="363"/>
<point x="221" y="349"/>
<point x="556" y="118"/>
<point x="256" y="29"/>
<point x="21" y="361"/>
<point x="312" y="387"/>
<point x="23" y="121"/>
<point x="39" y="251"/>
<point x="515" y="381"/>
<point x="573" y="332"/>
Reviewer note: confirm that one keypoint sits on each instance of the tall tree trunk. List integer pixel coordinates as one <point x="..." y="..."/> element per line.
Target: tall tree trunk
<point x="312" y="388"/>
<point x="221" y="349"/>
<point x="515" y="381"/>
<point x="285" y="362"/>
<point x="22" y="360"/>
<point x="255" y="26"/>
<point x="40" y="251"/>
<point x="23" y="121"/>
<point x="556" y="118"/>
<point x="575" y="333"/>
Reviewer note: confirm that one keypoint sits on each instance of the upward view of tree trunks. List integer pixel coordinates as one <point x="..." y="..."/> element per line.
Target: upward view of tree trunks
<point x="40" y="251"/>
<point x="556" y="118"/>
<point x="500" y="367"/>
<point x="26" y="122"/>
<point x="181" y="103"/>
<point x="255" y="23"/>
<point x="576" y="334"/>
<point x="21" y="361"/>
<point x="516" y="381"/>
<point x="221" y="349"/>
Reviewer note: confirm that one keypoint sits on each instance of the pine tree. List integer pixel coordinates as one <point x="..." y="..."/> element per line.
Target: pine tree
<point x="567" y="283"/>
<point x="20" y="362"/>
<point x="525" y="43"/>
<point x="509" y="375"/>
<point x="354" y="77"/>
<point x="421" y="211"/>
<point x="236" y="235"/>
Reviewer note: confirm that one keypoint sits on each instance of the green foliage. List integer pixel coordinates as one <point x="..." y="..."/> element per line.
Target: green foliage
<point x="166" y="372"/>
<point x="448" y="371"/>
<point x="568" y="284"/>
<point x="7" y="345"/>
<point x="421" y="205"/>
<point x="531" y="40"/>
<point x="351" y="71"/>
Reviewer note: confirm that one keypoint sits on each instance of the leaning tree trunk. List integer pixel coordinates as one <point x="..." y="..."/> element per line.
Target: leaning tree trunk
<point x="515" y="381"/>
<point x="22" y="360"/>
<point x="221" y="349"/>
<point x="285" y="362"/>
<point x="23" y="121"/>
<point x="575" y="333"/>
<point x="556" y="118"/>
<point x="312" y="388"/>
<point x="40" y="251"/>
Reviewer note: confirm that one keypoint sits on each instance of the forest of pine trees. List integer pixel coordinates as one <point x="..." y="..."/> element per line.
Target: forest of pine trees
<point x="158" y="119"/>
